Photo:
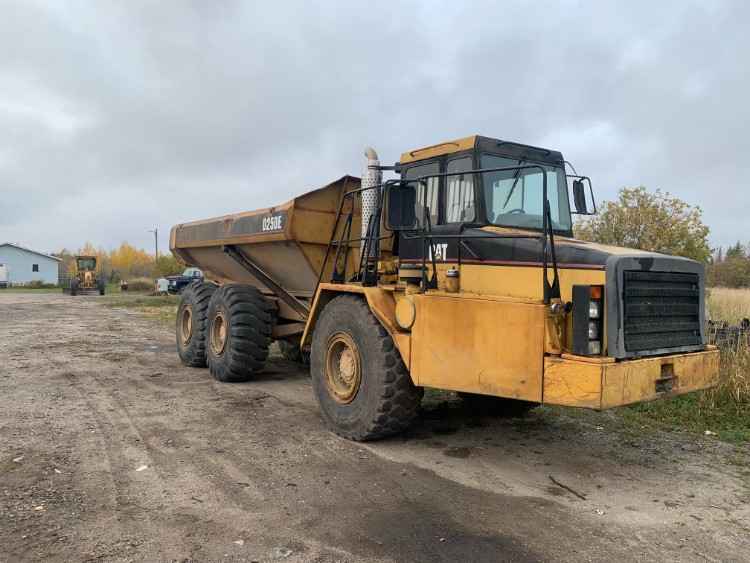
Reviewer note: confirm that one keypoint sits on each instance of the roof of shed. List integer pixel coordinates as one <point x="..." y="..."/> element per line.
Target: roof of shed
<point x="29" y="250"/>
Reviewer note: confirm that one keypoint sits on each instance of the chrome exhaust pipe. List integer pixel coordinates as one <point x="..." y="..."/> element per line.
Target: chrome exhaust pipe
<point x="371" y="176"/>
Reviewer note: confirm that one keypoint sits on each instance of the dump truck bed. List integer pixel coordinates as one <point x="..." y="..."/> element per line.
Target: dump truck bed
<point x="287" y="242"/>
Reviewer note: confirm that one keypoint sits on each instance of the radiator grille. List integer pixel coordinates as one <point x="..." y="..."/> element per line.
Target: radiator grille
<point x="662" y="310"/>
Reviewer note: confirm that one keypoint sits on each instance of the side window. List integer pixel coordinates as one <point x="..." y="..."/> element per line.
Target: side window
<point x="426" y="195"/>
<point x="459" y="192"/>
<point x="35" y="267"/>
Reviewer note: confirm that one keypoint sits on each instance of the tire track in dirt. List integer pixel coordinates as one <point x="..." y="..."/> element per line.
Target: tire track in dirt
<point x="133" y="494"/>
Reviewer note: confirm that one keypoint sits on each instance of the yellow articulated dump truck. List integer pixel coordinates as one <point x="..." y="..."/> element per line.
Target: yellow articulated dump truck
<point x="461" y="273"/>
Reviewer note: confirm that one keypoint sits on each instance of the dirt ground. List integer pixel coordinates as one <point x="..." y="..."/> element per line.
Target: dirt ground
<point x="110" y="450"/>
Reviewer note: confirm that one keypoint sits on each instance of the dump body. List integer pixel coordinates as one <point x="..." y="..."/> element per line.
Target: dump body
<point x="288" y="242"/>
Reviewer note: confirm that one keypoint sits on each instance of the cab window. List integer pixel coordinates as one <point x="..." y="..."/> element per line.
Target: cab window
<point x="427" y="195"/>
<point x="513" y="198"/>
<point x="459" y="192"/>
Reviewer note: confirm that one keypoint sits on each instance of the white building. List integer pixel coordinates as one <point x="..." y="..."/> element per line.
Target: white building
<point x="21" y="265"/>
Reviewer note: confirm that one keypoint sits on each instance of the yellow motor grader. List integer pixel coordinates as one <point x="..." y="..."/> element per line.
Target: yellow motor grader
<point x="460" y="273"/>
<point x="86" y="280"/>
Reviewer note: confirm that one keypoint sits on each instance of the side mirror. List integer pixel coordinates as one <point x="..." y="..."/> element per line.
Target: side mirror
<point x="580" y="200"/>
<point x="579" y="197"/>
<point x="401" y="200"/>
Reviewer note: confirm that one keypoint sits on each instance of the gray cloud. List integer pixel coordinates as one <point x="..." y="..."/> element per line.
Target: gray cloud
<point x="119" y="118"/>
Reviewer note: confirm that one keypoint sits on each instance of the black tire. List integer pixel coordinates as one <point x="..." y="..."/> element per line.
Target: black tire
<point x="102" y="287"/>
<point x="497" y="406"/>
<point x="74" y="286"/>
<point x="191" y="334"/>
<point x="386" y="401"/>
<point x="290" y="350"/>
<point x="248" y="319"/>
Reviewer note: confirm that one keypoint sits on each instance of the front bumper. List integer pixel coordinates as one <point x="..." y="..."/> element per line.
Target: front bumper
<point x="603" y="383"/>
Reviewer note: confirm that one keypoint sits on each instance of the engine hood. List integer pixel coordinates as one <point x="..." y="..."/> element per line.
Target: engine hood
<point x="484" y="245"/>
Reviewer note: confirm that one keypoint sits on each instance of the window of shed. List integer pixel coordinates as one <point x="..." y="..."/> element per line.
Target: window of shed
<point x="35" y="267"/>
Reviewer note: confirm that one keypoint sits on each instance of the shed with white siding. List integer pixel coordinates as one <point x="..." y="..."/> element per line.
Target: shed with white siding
<point x="23" y="265"/>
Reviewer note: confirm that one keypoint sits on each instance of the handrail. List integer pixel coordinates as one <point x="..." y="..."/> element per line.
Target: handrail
<point x="550" y="291"/>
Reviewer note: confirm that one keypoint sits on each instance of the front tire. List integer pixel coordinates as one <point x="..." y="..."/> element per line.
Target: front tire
<point x="192" y="323"/>
<point x="362" y="385"/>
<point x="240" y="322"/>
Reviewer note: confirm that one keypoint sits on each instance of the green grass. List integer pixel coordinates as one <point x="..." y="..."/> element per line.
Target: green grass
<point x="695" y="413"/>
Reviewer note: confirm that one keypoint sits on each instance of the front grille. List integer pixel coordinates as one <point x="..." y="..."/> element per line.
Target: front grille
<point x="662" y="310"/>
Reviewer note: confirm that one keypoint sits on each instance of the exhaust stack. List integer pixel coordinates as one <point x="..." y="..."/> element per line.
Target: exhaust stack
<point x="371" y="176"/>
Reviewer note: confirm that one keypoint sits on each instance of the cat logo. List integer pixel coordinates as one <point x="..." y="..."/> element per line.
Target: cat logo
<point x="440" y="251"/>
<point x="272" y="223"/>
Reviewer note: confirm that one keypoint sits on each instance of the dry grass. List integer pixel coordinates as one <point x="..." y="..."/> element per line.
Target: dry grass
<point x="732" y="395"/>
<point x="160" y="307"/>
<point x="141" y="284"/>
<point x="731" y="305"/>
<point x="727" y="304"/>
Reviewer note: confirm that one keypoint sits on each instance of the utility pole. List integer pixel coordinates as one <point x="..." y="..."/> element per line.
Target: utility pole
<point x="156" y="240"/>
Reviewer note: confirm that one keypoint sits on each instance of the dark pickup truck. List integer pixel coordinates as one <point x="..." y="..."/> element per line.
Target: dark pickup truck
<point x="177" y="283"/>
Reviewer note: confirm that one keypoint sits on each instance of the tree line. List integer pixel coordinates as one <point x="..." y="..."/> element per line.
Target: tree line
<point x="730" y="268"/>
<point x="123" y="263"/>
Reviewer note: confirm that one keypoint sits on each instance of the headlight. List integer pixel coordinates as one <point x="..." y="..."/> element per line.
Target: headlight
<point x="587" y="320"/>
<point x="595" y="309"/>
<point x="593" y="330"/>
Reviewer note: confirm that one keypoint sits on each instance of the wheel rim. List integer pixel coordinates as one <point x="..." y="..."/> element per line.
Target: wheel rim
<point x="343" y="368"/>
<point x="186" y="325"/>
<point x="218" y="334"/>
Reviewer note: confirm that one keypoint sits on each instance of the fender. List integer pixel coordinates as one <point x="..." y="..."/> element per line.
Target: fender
<point x="381" y="303"/>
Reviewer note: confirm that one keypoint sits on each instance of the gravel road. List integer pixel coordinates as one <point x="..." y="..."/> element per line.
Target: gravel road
<point x="110" y="450"/>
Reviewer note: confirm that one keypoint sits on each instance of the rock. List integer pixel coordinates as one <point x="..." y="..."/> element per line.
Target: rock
<point x="142" y="468"/>
<point x="18" y="459"/>
<point x="281" y="552"/>
<point x="239" y="542"/>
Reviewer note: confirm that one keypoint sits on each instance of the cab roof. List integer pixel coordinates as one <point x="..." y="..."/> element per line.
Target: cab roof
<point x="487" y="144"/>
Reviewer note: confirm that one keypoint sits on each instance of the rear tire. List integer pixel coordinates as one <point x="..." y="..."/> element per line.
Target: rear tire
<point x="362" y="385"/>
<point x="192" y="322"/>
<point x="74" y="286"/>
<point x="240" y="321"/>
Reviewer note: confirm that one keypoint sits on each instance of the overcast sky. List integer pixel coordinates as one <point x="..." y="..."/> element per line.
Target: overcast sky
<point x="116" y="117"/>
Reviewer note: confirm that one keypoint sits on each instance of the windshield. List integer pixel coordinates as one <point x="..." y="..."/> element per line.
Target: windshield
<point x="86" y="264"/>
<point x="514" y="198"/>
